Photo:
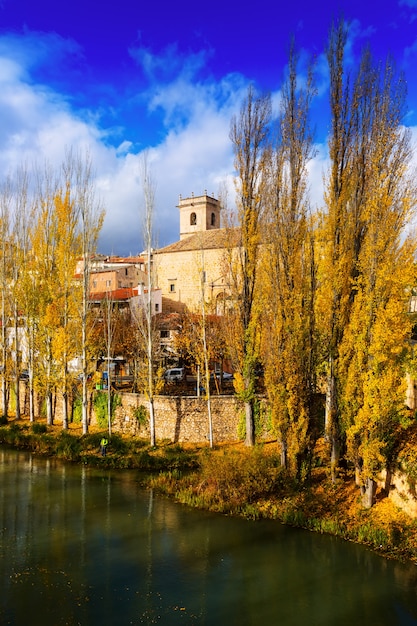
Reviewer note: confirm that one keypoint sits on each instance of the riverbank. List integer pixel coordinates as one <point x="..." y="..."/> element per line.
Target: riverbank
<point x="234" y="480"/>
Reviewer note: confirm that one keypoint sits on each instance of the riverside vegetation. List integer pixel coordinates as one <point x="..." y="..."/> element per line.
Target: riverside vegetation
<point x="233" y="479"/>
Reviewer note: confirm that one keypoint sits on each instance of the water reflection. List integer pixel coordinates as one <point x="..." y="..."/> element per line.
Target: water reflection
<point x="82" y="546"/>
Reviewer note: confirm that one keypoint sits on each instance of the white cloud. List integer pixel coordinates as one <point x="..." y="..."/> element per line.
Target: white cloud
<point x="39" y="125"/>
<point x="318" y="168"/>
<point x="193" y="156"/>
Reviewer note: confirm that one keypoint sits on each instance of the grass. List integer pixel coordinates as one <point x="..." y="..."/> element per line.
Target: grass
<point x="234" y="480"/>
<point x="72" y="445"/>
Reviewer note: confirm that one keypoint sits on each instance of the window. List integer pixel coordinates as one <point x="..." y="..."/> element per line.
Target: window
<point x="108" y="283"/>
<point x="164" y="334"/>
<point x="213" y="219"/>
<point x="193" y="219"/>
<point x="94" y="283"/>
<point x="156" y="307"/>
<point x="172" y="287"/>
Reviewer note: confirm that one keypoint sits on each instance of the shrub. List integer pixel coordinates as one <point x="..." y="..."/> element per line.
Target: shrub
<point x="91" y="441"/>
<point x="368" y="533"/>
<point x="3" y="420"/>
<point x="118" y="445"/>
<point x="235" y="480"/>
<point x="39" y="428"/>
<point x="100" y="407"/>
<point x="141" y="414"/>
<point x="68" y="447"/>
<point x="77" y="410"/>
<point x="262" y="419"/>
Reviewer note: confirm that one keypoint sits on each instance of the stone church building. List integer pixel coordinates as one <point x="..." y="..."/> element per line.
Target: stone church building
<point x="198" y="262"/>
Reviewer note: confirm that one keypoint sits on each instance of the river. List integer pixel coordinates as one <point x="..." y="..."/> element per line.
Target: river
<point x="84" y="546"/>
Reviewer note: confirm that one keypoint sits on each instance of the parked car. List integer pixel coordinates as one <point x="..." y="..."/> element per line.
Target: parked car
<point x="24" y="375"/>
<point x="174" y="374"/>
<point x="225" y="376"/>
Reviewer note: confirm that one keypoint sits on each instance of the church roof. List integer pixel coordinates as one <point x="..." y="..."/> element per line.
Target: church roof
<point x="218" y="238"/>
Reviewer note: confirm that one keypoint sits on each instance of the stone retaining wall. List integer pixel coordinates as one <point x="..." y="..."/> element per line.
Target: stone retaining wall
<point x="181" y="418"/>
<point x="177" y="418"/>
<point x="402" y="491"/>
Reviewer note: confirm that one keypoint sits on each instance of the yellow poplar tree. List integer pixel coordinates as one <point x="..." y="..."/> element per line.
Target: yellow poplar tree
<point x="375" y="348"/>
<point x="43" y="244"/>
<point x="367" y="187"/>
<point x="56" y="247"/>
<point x="249" y="135"/>
<point x="68" y="295"/>
<point x="289" y="276"/>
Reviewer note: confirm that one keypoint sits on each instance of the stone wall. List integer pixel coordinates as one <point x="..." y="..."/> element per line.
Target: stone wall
<point x="402" y="491"/>
<point x="177" y="418"/>
<point x="181" y="418"/>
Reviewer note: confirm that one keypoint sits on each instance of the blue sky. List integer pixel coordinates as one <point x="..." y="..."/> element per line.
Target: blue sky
<point x="167" y="77"/>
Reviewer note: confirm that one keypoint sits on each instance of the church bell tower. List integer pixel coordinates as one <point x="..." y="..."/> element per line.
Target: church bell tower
<point x="198" y="213"/>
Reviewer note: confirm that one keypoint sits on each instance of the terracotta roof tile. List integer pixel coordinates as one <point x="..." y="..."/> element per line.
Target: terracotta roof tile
<point x="208" y="239"/>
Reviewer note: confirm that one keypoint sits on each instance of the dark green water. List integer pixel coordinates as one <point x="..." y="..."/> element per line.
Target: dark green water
<point x="81" y="546"/>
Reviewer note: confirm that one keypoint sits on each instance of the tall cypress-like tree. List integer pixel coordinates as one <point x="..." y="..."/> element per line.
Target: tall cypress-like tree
<point x="379" y="327"/>
<point x="289" y="276"/>
<point x="68" y="250"/>
<point x="250" y="138"/>
<point x="369" y="155"/>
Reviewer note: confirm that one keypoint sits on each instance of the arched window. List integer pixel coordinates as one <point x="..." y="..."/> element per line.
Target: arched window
<point x="213" y="219"/>
<point x="193" y="219"/>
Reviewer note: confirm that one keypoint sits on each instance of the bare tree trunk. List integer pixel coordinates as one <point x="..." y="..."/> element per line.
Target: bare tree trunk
<point x="65" y="415"/>
<point x="17" y="360"/>
<point x="152" y="421"/>
<point x="4" y="390"/>
<point x="205" y="351"/>
<point x="49" y="408"/>
<point x="65" y="418"/>
<point x="149" y="188"/>
<point x="388" y="478"/>
<point x="284" y="451"/>
<point x="331" y="427"/>
<point x="79" y="172"/>
<point x="5" y="275"/>
<point x="369" y="495"/>
<point x="250" y="423"/>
